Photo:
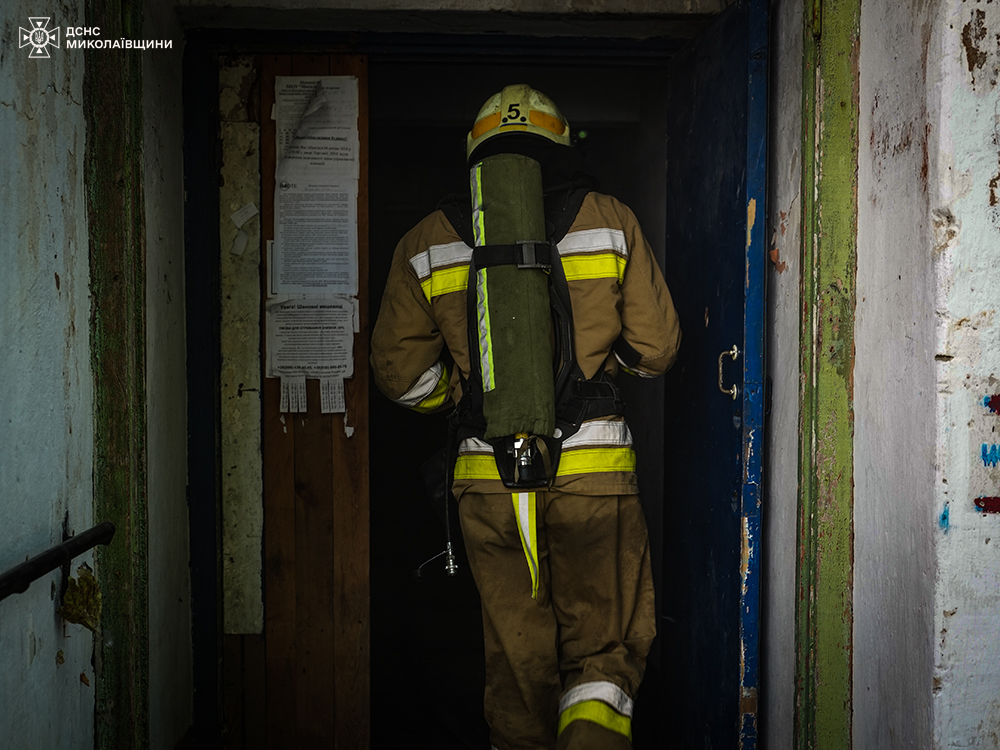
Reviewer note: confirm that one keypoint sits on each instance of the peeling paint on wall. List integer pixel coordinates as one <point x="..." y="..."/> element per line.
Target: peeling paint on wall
<point x="967" y="599"/>
<point x="973" y="34"/>
<point x="991" y="454"/>
<point x="988" y="504"/>
<point x="46" y="399"/>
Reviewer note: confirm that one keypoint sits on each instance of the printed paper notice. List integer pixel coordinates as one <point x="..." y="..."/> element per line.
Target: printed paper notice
<point x="293" y="395"/>
<point x="331" y="395"/>
<point x="321" y="112"/>
<point x="316" y="239"/>
<point x="310" y="337"/>
<point x="316" y="186"/>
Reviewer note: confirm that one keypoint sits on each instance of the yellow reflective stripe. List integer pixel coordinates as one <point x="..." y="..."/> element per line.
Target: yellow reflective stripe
<point x="594" y="266"/>
<point x="578" y="461"/>
<point x="596" y="460"/>
<point x="524" y="512"/>
<point x="599" y="713"/>
<point x="435" y="398"/>
<point x="576" y="267"/>
<point x="476" y="466"/>
<point x="454" y="279"/>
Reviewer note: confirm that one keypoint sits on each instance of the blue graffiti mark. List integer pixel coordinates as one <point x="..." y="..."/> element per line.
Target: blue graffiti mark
<point x="991" y="455"/>
<point x="943" y="519"/>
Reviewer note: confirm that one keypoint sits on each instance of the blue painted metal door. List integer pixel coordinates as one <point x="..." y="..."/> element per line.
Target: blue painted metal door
<point x="716" y="156"/>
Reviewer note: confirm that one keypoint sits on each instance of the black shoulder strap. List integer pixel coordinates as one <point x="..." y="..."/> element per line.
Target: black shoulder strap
<point x="561" y="208"/>
<point x="457" y="210"/>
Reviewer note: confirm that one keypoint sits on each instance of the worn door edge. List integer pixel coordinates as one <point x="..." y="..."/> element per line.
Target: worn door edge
<point x="116" y="219"/>
<point x="753" y="373"/>
<point x="824" y="605"/>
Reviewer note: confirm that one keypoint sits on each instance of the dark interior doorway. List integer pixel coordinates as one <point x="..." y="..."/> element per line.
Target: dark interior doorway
<point x="426" y="657"/>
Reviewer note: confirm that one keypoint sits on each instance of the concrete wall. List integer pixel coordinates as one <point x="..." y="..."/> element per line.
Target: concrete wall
<point x="965" y="215"/>
<point x="927" y="567"/>
<point x="46" y="388"/>
<point x="781" y="473"/>
<point x="47" y="404"/>
<point x="170" y="667"/>
<point x="894" y="382"/>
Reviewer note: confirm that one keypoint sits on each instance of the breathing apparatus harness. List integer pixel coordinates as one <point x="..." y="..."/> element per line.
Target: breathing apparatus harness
<point x="530" y="461"/>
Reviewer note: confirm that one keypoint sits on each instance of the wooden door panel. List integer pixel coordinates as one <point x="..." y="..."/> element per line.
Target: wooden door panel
<point x="316" y="600"/>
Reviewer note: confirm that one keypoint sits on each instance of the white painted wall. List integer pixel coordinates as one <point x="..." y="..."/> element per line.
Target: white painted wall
<point x="46" y="403"/>
<point x="894" y="418"/>
<point x="965" y="164"/>
<point x="170" y="666"/>
<point x="781" y="474"/>
<point x="46" y="389"/>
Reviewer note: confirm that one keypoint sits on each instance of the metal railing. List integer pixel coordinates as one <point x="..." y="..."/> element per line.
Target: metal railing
<point x="16" y="580"/>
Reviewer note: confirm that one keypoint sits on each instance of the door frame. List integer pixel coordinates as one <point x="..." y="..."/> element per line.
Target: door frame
<point x="202" y="221"/>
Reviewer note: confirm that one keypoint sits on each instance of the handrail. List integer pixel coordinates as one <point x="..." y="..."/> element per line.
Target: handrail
<point x="16" y="580"/>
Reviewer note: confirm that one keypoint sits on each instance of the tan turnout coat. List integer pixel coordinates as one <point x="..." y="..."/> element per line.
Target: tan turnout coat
<point x="615" y="287"/>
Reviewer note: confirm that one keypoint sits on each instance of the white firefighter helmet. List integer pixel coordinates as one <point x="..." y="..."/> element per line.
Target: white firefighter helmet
<point x="518" y="109"/>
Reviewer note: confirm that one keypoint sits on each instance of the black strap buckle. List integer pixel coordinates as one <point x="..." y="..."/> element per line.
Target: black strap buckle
<point x="523" y="254"/>
<point x="535" y="254"/>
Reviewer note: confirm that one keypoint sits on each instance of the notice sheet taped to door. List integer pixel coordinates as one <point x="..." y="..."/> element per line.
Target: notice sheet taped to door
<point x="316" y="185"/>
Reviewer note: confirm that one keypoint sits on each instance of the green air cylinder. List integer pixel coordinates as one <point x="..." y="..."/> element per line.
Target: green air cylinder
<point x="514" y="323"/>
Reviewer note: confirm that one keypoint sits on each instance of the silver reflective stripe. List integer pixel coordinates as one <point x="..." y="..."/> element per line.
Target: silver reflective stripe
<point x="600" y="432"/>
<point x="478" y="227"/>
<point x="593" y="241"/>
<point x="524" y="507"/>
<point x="475" y="445"/>
<point x="605" y="692"/>
<point x="424" y="386"/>
<point x="440" y="256"/>
<point x="485" y="341"/>
<point x="633" y="370"/>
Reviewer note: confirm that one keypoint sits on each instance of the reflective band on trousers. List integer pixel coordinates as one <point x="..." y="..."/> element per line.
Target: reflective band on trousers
<point x="600" y="690"/>
<point x="524" y="512"/>
<point x="430" y="390"/>
<point x="601" y="702"/>
<point x="598" y="713"/>
<point x="579" y="461"/>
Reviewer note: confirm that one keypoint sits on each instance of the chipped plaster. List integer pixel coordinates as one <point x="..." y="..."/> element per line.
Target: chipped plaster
<point x="967" y="368"/>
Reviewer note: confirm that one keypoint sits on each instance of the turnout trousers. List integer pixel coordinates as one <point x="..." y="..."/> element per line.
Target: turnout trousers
<point x="568" y="615"/>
